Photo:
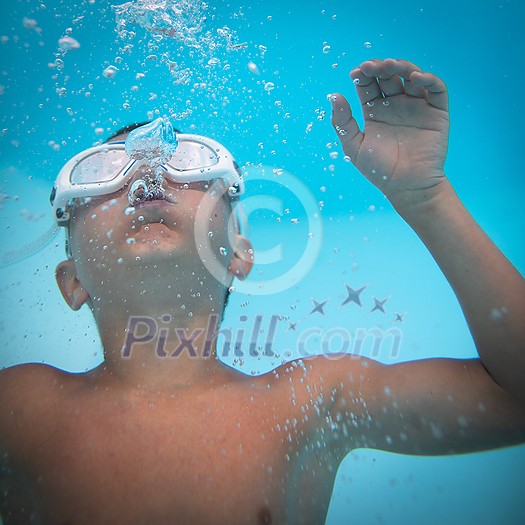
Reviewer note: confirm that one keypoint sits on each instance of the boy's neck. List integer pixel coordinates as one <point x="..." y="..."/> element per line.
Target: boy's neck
<point x="162" y="353"/>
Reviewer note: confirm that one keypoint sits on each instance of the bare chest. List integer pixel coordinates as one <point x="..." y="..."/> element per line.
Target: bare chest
<point x="152" y="462"/>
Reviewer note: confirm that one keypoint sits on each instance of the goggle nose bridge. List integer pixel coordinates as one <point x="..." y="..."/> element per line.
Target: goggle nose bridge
<point x="132" y="172"/>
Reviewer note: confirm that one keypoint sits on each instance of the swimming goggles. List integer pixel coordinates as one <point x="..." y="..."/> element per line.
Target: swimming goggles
<point x="105" y="169"/>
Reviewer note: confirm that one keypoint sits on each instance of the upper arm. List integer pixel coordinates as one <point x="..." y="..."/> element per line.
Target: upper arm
<point x="25" y="393"/>
<point x="23" y="381"/>
<point x="424" y="407"/>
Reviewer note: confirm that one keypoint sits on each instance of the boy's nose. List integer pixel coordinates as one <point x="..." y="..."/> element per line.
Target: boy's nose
<point x="141" y="170"/>
<point x="146" y="183"/>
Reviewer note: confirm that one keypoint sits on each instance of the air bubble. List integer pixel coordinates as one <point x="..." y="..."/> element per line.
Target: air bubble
<point x="109" y="72"/>
<point x="29" y="23"/>
<point x="253" y="68"/>
<point x="68" y="43"/>
<point x="155" y="142"/>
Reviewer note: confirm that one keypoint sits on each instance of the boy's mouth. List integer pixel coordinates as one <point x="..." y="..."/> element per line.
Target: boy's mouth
<point x="154" y="211"/>
<point x="152" y="203"/>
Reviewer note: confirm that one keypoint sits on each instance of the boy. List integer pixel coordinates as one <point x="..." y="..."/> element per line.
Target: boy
<point x="146" y="438"/>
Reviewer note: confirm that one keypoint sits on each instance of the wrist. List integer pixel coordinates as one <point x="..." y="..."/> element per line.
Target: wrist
<point x="411" y="204"/>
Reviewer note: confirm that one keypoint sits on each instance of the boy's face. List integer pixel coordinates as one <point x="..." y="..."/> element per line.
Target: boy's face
<point x="107" y="234"/>
<point x="109" y="223"/>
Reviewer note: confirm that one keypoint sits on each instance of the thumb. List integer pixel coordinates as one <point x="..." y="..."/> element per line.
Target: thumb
<point x="345" y="125"/>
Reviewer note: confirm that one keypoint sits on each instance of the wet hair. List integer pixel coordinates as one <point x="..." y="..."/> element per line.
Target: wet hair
<point x="128" y="129"/>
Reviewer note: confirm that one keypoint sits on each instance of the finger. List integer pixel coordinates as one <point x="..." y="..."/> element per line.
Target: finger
<point x="436" y="89"/>
<point x="404" y="69"/>
<point x="366" y="85"/>
<point x="345" y="125"/>
<point x="389" y="84"/>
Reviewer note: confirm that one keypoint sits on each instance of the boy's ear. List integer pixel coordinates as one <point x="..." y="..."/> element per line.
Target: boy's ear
<point x="71" y="288"/>
<point x="242" y="261"/>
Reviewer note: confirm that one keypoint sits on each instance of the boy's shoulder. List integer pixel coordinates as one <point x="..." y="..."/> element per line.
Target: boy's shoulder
<point x="26" y="379"/>
<point x="28" y="392"/>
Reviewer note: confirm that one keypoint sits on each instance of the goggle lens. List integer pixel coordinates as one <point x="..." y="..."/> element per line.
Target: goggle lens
<point x="191" y="156"/>
<point x="102" y="166"/>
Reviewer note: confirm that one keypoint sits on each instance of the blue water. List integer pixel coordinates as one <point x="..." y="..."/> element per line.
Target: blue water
<point x="475" y="48"/>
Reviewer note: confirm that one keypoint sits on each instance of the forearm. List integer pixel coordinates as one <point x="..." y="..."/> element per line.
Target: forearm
<point x="490" y="290"/>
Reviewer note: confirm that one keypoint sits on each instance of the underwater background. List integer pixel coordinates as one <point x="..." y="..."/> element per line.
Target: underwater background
<point x="255" y="76"/>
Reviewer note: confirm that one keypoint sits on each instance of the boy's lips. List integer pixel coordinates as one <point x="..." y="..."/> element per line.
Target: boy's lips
<point x="155" y="211"/>
<point x="152" y="204"/>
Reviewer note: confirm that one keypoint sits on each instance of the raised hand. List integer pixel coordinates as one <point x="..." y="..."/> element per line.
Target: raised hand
<point x="403" y="147"/>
